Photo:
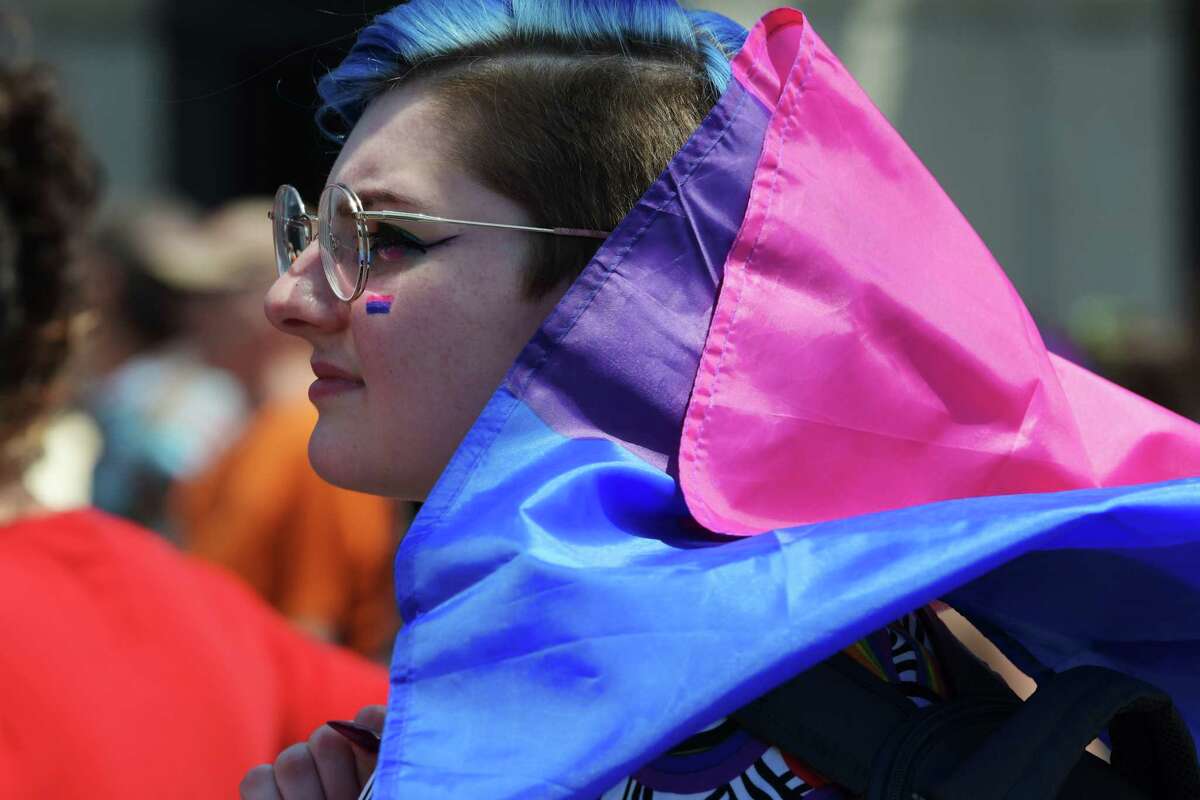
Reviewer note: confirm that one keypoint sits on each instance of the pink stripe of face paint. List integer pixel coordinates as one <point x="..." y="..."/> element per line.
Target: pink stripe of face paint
<point x="378" y="303"/>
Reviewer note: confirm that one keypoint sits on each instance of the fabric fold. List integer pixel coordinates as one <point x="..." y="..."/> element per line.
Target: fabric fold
<point x="859" y="385"/>
<point x="858" y="300"/>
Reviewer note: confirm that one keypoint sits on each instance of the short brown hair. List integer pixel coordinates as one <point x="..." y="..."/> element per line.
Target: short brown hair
<point x="573" y="110"/>
<point x="574" y="141"/>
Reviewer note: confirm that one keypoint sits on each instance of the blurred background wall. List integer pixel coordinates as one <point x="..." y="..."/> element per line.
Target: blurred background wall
<point x="1064" y="129"/>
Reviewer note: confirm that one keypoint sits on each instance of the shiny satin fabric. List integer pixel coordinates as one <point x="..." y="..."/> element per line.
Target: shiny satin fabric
<point x="568" y="623"/>
<point x="618" y="356"/>
<point x="568" y="619"/>
<point x="866" y="351"/>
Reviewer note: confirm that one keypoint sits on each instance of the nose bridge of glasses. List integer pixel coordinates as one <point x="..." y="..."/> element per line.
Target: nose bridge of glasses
<point x="304" y="222"/>
<point x="309" y="252"/>
<point x="289" y="248"/>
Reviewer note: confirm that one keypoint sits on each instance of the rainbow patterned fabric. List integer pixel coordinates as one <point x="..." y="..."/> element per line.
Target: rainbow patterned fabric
<point x="791" y="399"/>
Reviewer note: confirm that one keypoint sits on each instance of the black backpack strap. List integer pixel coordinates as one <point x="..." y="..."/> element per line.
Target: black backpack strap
<point x="1153" y="747"/>
<point x="838" y="716"/>
<point x="967" y="675"/>
<point x="866" y="735"/>
<point x="1033" y="754"/>
<point x="835" y="715"/>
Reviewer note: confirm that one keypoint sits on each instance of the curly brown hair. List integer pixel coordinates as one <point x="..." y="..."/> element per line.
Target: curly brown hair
<point x="49" y="184"/>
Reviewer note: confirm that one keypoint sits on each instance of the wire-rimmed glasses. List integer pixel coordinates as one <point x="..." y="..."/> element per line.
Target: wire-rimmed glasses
<point x="348" y="246"/>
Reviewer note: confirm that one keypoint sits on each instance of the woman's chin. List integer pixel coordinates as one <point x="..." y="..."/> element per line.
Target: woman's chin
<point x="335" y="459"/>
<point x="338" y="460"/>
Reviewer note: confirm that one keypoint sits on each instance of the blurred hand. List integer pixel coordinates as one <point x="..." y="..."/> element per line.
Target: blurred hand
<point x="326" y="767"/>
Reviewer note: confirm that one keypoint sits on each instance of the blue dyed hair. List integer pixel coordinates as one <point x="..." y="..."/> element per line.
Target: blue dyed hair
<point x="578" y="104"/>
<point x="422" y="32"/>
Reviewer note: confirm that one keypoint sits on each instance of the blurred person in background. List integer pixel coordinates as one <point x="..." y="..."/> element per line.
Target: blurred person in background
<point x="320" y="554"/>
<point x="164" y="409"/>
<point x="128" y="670"/>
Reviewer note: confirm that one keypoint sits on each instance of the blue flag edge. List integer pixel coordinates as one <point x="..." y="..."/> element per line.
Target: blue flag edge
<point x="541" y="699"/>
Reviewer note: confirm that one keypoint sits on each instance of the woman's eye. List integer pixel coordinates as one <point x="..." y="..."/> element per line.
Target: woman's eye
<point x="394" y="244"/>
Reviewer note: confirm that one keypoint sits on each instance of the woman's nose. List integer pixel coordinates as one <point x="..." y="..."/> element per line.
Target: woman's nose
<point x="300" y="301"/>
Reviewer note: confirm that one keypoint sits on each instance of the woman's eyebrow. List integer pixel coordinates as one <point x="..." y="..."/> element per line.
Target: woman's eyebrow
<point x="386" y="199"/>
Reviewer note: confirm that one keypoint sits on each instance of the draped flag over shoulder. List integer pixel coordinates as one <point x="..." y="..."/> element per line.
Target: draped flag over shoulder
<point x="793" y="334"/>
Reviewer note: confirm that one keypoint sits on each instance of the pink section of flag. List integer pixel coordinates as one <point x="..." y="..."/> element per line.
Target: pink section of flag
<point x="867" y="352"/>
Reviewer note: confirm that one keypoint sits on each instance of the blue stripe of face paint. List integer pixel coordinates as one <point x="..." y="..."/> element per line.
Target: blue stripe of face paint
<point x="379" y="306"/>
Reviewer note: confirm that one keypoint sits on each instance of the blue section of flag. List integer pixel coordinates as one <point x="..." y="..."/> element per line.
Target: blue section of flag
<point x="379" y="306"/>
<point x="566" y="625"/>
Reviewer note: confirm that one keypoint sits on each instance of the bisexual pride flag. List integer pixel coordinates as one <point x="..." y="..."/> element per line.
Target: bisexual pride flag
<point x="792" y="398"/>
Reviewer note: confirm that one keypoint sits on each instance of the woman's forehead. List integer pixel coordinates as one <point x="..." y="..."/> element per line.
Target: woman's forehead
<point x="404" y="148"/>
<point x="398" y="153"/>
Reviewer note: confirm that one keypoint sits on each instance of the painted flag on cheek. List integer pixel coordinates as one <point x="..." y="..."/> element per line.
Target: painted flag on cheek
<point x="378" y="303"/>
<point x="794" y="334"/>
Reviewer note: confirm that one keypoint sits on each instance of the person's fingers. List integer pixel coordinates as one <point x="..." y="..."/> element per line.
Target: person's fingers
<point x="336" y="764"/>
<point x="372" y="717"/>
<point x="296" y="775"/>
<point x="259" y="784"/>
<point x="364" y="762"/>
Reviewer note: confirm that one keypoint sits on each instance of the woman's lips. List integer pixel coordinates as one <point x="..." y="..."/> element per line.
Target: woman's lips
<point x="331" y="380"/>
<point x="328" y="387"/>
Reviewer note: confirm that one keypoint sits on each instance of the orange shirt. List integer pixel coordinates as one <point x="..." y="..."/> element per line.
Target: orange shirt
<point x="129" y="670"/>
<point x="320" y="554"/>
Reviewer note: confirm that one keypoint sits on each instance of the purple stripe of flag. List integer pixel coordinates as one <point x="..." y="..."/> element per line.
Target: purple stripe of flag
<point x="618" y="355"/>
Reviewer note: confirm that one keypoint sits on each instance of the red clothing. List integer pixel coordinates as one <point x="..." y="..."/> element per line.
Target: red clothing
<point x="320" y="554"/>
<point x="129" y="671"/>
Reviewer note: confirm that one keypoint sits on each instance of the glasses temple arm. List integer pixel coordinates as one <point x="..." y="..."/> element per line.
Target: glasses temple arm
<point x="415" y="217"/>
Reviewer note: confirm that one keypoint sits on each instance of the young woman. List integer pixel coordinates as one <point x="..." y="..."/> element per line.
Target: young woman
<point x="775" y="266"/>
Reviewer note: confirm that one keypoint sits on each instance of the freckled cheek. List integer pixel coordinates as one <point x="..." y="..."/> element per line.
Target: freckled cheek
<point x="406" y="351"/>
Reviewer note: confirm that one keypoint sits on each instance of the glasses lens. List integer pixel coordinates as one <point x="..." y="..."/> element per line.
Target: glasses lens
<point x="291" y="229"/>
<point x="340" y="241"/>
